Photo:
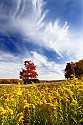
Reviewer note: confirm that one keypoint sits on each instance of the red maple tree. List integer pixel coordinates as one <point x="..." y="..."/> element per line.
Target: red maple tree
<point x="29" y="72"/>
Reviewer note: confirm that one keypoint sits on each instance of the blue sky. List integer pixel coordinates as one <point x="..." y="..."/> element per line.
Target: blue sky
<point x="49" y="32"/>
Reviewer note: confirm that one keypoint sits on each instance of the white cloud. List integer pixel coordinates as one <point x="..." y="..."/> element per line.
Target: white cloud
<point x="9" y="70"/>
<point x="27" y="17"/>
<point x="77" y="49"/>
<point x="47" y="34"/>
<point x="50" y="35"/>
<point x="47" y="70"/>
<point x="10" y="65"/>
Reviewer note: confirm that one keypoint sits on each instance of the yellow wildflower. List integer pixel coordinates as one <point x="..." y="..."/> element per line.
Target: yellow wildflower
<point x="2" y="110"/>
<point x="9" y="110"/>
<point x="25" y="104"/>
<point x="19" y="116"/>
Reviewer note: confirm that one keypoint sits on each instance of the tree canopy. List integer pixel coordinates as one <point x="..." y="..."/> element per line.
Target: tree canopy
<point x="29" y="72"/>
<point x="74" y="68"/>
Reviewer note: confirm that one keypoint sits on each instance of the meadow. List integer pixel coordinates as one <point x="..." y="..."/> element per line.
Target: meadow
<point x="57" y="103"/>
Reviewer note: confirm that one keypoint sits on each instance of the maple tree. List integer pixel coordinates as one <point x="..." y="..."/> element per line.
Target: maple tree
<point x="69" y="70"/>
<point x="74" y="68"/>
<point x="29" y="72"/>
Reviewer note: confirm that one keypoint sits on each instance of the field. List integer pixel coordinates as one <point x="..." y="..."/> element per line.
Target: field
<point x="56" y="103"/>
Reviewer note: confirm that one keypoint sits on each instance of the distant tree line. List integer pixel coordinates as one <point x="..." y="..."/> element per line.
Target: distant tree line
<point x="74" y="68"/>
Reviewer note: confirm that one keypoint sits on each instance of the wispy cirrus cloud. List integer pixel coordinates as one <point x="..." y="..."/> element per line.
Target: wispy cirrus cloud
<point x="27" y="17"/>
<point x="34" y="28"/>
<point x="32" y="24"/>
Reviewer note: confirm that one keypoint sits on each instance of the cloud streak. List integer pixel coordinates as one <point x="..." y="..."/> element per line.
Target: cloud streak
<point x="49" y="35"/>
<point x="48" y="70"/>
<point x="33" y="26"/>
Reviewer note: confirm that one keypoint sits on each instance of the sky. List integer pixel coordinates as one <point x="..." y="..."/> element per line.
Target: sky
<point x="49" y="32"/>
